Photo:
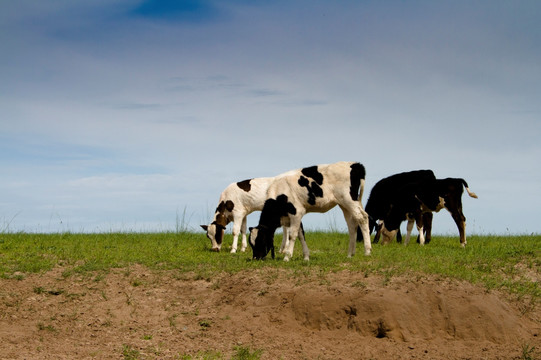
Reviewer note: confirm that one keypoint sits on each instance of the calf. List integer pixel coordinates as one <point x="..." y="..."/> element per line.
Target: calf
<point x="423" y="197"/>
<point x="237" y="201"/>
<point x="312" y="189"/>
<point x="385" y="192"/>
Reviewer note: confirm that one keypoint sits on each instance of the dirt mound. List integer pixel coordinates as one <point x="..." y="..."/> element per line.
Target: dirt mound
<point x="409" y="311"/>
<point x="144" y="314"/>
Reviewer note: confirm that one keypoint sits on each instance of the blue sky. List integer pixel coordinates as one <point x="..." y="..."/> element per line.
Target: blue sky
<point x="128" y="115"/>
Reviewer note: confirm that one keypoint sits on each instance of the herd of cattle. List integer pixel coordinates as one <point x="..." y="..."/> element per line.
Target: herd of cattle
<point x="283" y="201"/>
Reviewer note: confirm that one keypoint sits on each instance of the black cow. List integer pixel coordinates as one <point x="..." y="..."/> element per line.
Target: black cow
<point x="385" y="193"/>
<point x="416" y="202"/>
<point x="412" y="202"/>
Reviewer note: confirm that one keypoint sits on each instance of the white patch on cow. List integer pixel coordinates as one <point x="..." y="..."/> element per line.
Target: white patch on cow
<point x="253" y="235"/>
<point x="441" y="204"/>
<point x="421" y="235"/>
<point x="409" y="227"/>
<point x="285" y="239"/>
<point x="386" y="235"/>
<point x="211" y="233"/>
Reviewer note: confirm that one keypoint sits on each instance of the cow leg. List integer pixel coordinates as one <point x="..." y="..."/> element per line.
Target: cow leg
<point x="421" y="234"/>
<point x="357" y="218"/>
<point x="291" y="245"/>
<point x="285" y="239"/>
<point x="237" y="223"/>
<point x="398" y="236"/>
<point x="409" y="228"/>
<point x="418" y="216"/>
<point x="379" y="226"/>
<point x="294" y="227"/>
<point x="305" y="250"/>
<point x="460" y="222"/>
<point x="363" y="219"/>
<point x="243" y="233"/>
<point x="427" y="225"/>
<point x="454" y="205"/>
<point x="352" y="230"/>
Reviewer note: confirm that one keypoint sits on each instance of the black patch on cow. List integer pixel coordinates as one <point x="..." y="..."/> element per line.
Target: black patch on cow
<point x="223" y="206"/>
<point x="245" y="185"/>
<point x="274" y="210"/>
<point x="314" y="190"/>
<point x="288" y="208"/>
<point x="220" y="230"/>
<point x="356" y="175"/>
<point x="312" y="172"/>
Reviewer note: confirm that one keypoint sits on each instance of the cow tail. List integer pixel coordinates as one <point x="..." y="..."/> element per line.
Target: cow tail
<point x="470" y="193"/>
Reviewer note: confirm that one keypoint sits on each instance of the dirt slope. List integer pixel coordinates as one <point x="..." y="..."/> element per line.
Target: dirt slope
<point x="163" y="315"/>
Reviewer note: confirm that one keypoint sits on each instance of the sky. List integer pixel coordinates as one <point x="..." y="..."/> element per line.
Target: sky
<point x="134" y="115"/>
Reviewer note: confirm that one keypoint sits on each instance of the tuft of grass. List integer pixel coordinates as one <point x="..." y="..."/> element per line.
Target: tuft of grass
<point x="205" y="324"/>
<point x="529" y="353"/>
<point x="43" y="327"/>
<point x="130" y="353"/>
<point x="244" y="353"/>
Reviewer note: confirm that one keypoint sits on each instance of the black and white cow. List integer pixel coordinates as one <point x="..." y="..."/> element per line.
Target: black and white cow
<point x="237" y="201"/>
<point x="312" y="189"/>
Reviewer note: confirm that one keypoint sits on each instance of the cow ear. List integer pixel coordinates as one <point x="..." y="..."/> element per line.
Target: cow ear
<point x="250" y="229"/>
<point x="205" y="227"/>
<point x="229" y="205"/>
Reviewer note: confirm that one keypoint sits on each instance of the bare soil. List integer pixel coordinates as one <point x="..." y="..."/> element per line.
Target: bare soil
<point x="139" y="313"/>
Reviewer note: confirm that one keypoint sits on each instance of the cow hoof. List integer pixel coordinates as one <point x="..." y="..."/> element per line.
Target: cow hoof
<point x="367" y="252"/>
<point x="215" y="249"/>
<point x="286" y="258"/>
<point x="243" y="250"/>
<point x="233" y="251"/>
<point x="306" y="258"/>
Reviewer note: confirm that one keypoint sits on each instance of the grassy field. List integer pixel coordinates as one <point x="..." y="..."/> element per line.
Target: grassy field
<point x="510" y="263"/>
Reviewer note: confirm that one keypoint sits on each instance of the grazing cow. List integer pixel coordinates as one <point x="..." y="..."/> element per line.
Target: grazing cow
<point x="237" y="201"/>
<point x="312" y="189"/>
<point x="410" y="203"/>
<point x="415" y="199"/>
<point x="385" y="192"/>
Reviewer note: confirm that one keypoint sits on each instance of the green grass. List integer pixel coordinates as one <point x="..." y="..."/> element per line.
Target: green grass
<point x="511" y="263"/>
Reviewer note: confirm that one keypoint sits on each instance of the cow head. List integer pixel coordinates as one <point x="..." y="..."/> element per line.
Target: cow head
<point x="215" y="233"/>
<point x="261" y="240"/>
<point x="216" y="229"/>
